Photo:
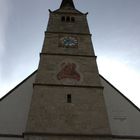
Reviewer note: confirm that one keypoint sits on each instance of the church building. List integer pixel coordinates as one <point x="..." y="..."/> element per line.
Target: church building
<point x="66" y="98"/>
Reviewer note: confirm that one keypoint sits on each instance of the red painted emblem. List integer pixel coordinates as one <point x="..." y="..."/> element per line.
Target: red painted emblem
<point x="68" y="72"/>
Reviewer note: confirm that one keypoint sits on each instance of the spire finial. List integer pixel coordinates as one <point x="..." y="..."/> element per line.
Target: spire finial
<point x="67" y="3"/>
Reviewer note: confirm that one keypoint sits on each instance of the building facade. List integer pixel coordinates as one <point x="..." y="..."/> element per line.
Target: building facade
<point x="66" y="98"/>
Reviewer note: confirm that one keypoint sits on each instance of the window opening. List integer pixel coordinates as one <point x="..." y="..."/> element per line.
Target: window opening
<point x="68" y="19"/>
<point x="63" y="19"/>
<point x="69" y="98"/>
<point x="72" y="19"/>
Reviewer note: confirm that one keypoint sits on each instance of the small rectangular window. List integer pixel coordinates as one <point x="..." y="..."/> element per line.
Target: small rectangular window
<point x="68" y="98"/>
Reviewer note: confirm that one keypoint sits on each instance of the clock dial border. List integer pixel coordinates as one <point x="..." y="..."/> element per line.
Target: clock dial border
<point x="69" y="42"/>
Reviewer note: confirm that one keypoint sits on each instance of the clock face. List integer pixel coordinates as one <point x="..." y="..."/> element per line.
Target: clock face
<point x="69" y="42"/>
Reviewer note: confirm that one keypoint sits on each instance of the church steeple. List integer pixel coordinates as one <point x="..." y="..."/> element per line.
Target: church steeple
<point x="68" y="99"/>
<point x="67" y="3"/>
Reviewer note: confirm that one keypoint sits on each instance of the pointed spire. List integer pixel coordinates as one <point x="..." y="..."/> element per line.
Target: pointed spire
<point x="67" y="3"/>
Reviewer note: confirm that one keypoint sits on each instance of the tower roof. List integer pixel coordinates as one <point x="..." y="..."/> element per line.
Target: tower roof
<point x="67" y="3"/>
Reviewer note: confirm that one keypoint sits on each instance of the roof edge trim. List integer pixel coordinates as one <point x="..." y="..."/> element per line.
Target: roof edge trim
<point x="17" y="86"/>
<point x="121" y="93"/>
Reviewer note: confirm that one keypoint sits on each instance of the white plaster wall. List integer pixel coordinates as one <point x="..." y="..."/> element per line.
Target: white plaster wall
<point x="14" y="109"/>
<point x="124" y="118"/>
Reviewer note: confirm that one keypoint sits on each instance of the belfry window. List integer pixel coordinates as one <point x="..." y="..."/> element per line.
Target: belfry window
<point x="68" y="19"/>
<point x="63" y="19"/>
<point x="72" y="19"/>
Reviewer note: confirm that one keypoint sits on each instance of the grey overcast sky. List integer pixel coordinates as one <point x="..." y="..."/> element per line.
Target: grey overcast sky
<point x="115" y="28"/>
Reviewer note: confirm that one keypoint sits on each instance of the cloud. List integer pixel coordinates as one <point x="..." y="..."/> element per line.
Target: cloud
<point x="4" y="15"/>
<point x="122" y="76"/>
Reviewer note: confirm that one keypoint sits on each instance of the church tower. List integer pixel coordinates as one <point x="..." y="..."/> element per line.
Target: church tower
<point x="67" y="101"/>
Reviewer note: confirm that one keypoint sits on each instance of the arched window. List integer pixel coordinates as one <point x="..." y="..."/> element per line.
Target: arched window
<point x="68" y="19"/>
<point x="72" y="19"/>
<point x="63" y="19"/>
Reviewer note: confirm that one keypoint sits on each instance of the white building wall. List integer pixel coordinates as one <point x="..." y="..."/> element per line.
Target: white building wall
<point x="124" y="117"/>
<point x="14" y="108"/>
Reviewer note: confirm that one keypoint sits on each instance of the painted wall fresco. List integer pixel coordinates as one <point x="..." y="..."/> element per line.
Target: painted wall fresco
<point x="69" y="72"/>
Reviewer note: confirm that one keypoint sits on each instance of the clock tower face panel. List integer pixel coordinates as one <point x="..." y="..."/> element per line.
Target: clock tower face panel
<point x="73" y="44"/>
<point x="69" y="42"/>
